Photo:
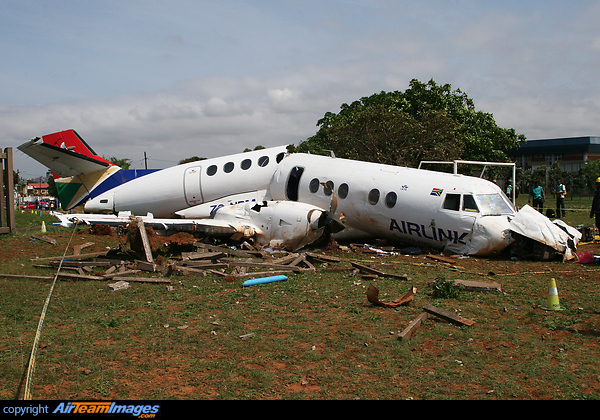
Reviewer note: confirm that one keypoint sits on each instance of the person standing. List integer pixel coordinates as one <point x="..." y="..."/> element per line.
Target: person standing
<point x="561" y="193"/>
<point x="538" y="196"/>
<point x="595" y="210"/>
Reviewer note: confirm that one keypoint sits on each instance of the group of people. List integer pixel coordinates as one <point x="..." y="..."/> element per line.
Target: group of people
<point x="537" y="197"/>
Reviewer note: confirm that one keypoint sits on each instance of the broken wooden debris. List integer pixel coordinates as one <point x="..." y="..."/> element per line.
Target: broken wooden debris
<point x="378" y="272"/>
<point x="448" y="316"/>
<point x="120" y="285"/>
<point x="78" y="248"/>
<point x="373" y="297"/>
<point x="232" y="264"/>
<point x="446" y="261"/>
<point x="45" y="239"/>
<point x="144" y="237"/>
<point x="143" y="279"/>
<point x="479" y="286"/>
<point x="412" y="326"/>
<point x="74" y="257"/>
<point x="476" y="286"/>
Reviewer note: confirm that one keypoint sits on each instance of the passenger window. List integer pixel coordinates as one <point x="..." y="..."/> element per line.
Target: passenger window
<point x="313" y="187"/>
<point x="328" y="188"/>
<point x="263" y="161"/>
<point x="246" y="164"/>
<point x="228" y="167"/>
<point x="211" y="170"/>
<point x="452" y="202"/>
<point x="469" y="204"/>
<point x="374" y="196"/>
<point x="390" y="199"/>
<point x="343" y="191"/>
<point x="279" y="157"/>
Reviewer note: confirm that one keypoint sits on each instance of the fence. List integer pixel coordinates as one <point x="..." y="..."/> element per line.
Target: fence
<point x="7" y="191"/>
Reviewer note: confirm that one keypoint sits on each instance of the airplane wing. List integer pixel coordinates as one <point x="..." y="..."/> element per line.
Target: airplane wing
<point x="210" y="227"/>
<point x="290" y="225"/>
<point x="65" y="154"/>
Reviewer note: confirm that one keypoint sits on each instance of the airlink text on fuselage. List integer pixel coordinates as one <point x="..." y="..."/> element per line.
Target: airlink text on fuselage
<point x="431" y="232"/>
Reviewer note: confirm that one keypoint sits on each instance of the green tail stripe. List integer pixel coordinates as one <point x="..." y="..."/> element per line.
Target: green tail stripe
<point x="66" y="192"/>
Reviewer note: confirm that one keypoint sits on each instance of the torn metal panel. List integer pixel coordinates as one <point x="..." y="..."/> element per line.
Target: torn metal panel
<point x="489" y="236"/>
<point x="557" y="235"/>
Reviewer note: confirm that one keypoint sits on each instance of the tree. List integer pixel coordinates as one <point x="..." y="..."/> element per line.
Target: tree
<point x="122" y="163"/>
<point x="426" y="122"/>
<point x="190" y="159"/>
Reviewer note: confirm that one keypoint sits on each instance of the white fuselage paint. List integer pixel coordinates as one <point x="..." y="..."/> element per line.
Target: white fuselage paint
<point x="167" y="191"/>
<point x="416" y="215"/>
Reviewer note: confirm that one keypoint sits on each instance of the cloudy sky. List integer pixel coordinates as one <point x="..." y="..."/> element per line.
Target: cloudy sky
<point x="180" y="78"/>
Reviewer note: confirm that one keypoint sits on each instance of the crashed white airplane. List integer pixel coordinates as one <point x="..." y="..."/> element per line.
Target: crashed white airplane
<point x="279" y="199"/>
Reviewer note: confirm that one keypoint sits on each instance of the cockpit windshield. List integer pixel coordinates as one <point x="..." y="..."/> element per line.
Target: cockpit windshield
<point x="493" y="204"/>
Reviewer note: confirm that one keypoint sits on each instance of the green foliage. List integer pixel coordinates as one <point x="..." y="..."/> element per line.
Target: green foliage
<point x="123" y="162"/>
<point x="443" y="289"/>
<point x="426" y="122"/>
<point x="190" y="159"/>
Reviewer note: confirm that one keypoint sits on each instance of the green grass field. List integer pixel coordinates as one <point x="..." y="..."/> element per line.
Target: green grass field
<point x="314" y="336"/>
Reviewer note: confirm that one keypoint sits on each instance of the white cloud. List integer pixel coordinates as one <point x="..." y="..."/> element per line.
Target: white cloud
<point x="194" y="78"/>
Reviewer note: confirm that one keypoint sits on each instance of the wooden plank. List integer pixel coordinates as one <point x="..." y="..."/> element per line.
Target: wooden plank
<point x="479" y="286"/>
<point x="109" y="276"/>
<point x="323" y="257"/>
<point x="235" y="252"/>
<point x="45" y="239"/>
<point x="78" y="248"/>
<point x="412" y="326"/>
<point x="448" y="316"/>
<point x="142" y="279"/>
<point x="210" y="255"/>
<point x="75" y="257"/>
<point x="23" y="276"/>
<point x="256" y="275"/>
<point x="145" y="241"/>
<point x="60" y="275"/>
<point x="378" y="272"/>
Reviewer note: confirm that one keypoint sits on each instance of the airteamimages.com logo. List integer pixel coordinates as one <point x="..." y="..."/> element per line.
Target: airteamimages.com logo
<point x="142" y="411"/>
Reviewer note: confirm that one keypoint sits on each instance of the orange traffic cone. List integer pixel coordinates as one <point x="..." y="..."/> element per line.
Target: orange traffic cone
<point x="553" y="302"/>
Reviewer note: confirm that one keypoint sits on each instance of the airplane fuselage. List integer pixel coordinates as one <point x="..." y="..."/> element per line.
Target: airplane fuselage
<point x="446" y="211"/>
<point x="231" y="179"/>
<point x="398" y="203"/>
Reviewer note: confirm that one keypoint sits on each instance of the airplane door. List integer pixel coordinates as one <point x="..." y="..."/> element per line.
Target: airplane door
<point x="191" y="185"/>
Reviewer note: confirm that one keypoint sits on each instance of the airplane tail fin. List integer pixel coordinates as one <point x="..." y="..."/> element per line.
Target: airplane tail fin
<point x="65" y="153"/>
<point x="78" y="172"/>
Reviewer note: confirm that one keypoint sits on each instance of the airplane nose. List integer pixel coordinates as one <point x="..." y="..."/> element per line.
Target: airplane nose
<point x="491" y="235"/>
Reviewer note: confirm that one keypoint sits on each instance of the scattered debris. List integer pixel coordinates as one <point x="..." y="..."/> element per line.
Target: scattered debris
<point x="262" y="280"/>
<point x="45" y="239"/>
<point x="373" y="297"/>
<point x="479" y="286"/>
<point x="448" y="316"/>
<point x="410" y="329"/>
<point x="78" y="248"/>
<point x="120" y="285"/>
<point x="378" y="272"/>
